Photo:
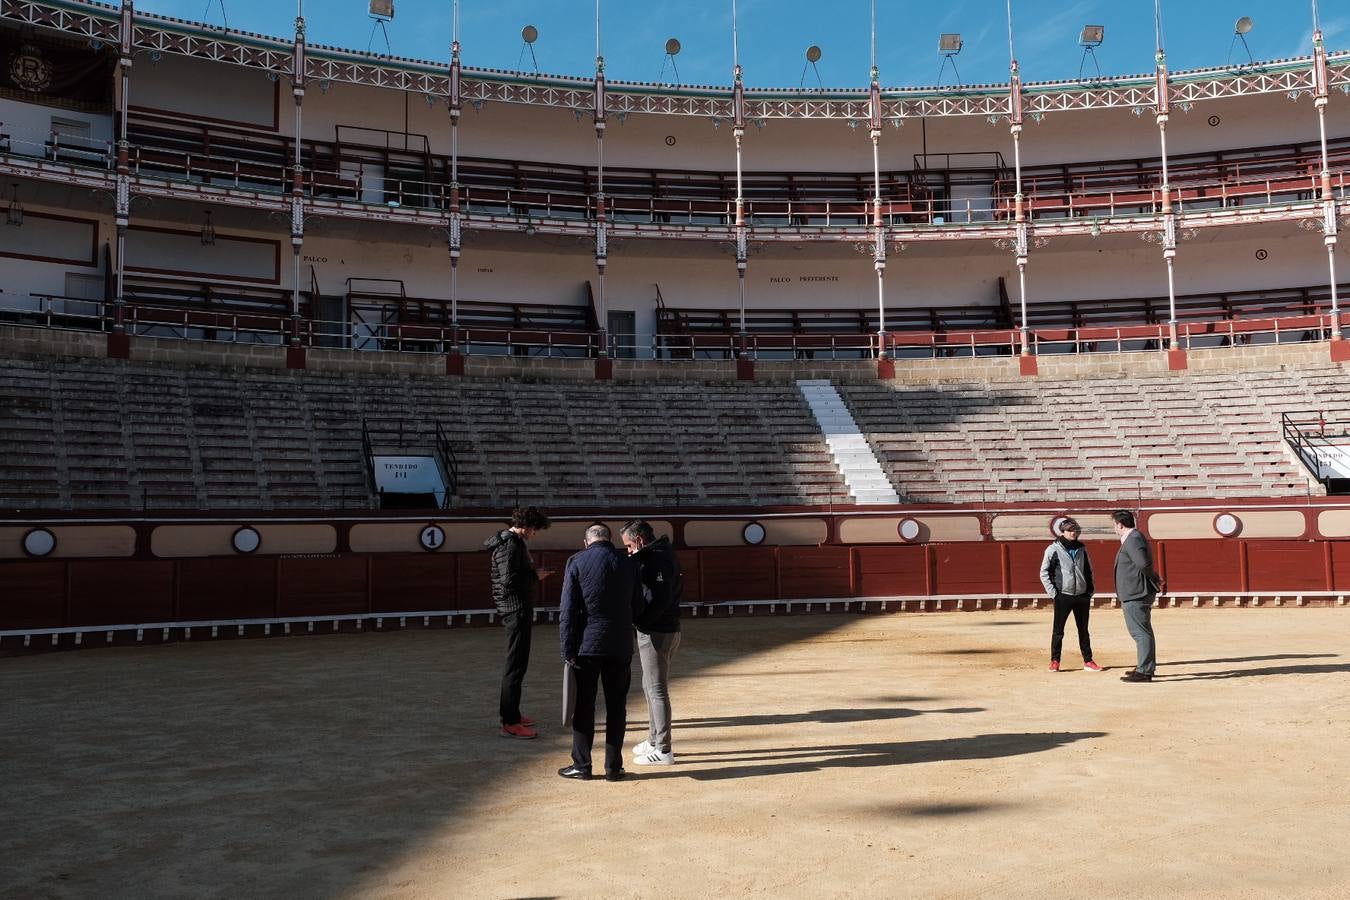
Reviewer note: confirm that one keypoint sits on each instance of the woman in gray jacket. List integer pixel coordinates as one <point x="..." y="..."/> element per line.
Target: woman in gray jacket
<point x="1066" y="574"/>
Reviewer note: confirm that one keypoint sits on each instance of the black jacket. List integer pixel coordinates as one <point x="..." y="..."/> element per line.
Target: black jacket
<point x="600" y="594"/>
<point x="659" y="572"/>
<point x="513" y="576"/>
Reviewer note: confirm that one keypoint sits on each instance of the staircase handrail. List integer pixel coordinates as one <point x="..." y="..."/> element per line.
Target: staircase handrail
<point x="449" y="463"/>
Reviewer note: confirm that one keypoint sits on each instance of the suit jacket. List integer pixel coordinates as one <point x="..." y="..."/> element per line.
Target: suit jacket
<point x="1136" y="579"/>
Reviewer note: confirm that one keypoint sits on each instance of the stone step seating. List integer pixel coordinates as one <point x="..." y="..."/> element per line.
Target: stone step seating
<point x="1153" y="436"/>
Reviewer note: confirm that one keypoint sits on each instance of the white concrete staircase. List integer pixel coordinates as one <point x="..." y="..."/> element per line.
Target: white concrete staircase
<point x="857" y="463"/>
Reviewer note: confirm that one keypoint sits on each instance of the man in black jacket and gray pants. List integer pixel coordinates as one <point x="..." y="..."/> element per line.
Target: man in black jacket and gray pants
<point x="658" y="627"/>
<point x="600" y="595"/>
<point x="513" y="579"/>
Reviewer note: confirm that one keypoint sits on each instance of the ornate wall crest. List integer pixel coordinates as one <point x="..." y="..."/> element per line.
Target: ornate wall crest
<point x="29" y="70"/>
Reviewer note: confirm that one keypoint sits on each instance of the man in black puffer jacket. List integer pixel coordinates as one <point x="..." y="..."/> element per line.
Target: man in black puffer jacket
<point x="513" y="579"/>
<point x="600" y="596"/>
<point x="658" y="626"/>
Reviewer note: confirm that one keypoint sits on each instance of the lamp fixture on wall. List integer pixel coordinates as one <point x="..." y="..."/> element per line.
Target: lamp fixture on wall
<point x="208" y="231"/>
<point x="14" y="215"/>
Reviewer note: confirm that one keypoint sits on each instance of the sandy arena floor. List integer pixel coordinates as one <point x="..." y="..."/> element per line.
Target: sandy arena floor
<point x="902" y="755"/>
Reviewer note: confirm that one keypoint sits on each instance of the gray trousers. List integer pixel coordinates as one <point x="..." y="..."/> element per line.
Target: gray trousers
<point x="1139" y="622"/>
<point x="655" y="650"/>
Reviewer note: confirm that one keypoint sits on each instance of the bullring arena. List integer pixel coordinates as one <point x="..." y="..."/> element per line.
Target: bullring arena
<point x="277" y="357"/>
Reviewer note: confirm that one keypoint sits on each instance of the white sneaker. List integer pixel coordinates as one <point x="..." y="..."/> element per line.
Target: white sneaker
<point x="655" y="758"/>
<point x="643" y="748"/>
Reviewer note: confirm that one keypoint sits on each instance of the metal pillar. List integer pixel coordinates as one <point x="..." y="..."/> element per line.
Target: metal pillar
<point x="1329" y="223"/>
<point x="1169" y="233"/>
<point x="122" y="200"/>
<point x="297" y="175"/>
<point x="601" y="226"/>
<point x="454" y="235"/>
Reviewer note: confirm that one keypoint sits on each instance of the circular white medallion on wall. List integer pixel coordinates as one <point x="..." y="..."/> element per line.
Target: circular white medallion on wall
<point x="431" y="537"/>
<point x="39" y="542"/>
<point x="1227" y="524"/>
<point x="909" y="530"/>
<point x="246" y="539"/>
<point x="753" y="533"/>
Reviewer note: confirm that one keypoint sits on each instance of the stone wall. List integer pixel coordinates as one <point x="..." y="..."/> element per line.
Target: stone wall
<point x="49" y="342"/>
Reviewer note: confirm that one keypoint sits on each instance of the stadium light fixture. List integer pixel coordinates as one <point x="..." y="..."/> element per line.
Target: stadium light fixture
<point x="672" y="50"/>
<point x="949" y="45"/>
<point x="813" y="54"/>
<point x="1090" y="40"/>
<point x="1241" y="28"/>
<point x="14" y="215"/>
<point x="208" y="231"/>
<point x="528" y="35"/>
<point x="381" y="11"/>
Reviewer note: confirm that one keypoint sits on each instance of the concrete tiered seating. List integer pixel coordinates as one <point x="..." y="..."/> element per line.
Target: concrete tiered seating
<point x="1157" y="437"/>
<point x="109" y="434"/>
<point x="89" y="434"/>
<point x="29" y="431"/>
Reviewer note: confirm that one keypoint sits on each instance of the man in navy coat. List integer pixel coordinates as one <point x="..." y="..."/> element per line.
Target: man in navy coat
<point x="601" y="594"/>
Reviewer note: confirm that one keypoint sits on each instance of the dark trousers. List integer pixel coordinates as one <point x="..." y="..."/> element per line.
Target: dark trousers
<point x="1080" y="606"/>
<point x="517" y="628"/>
<point x="614" y="672"/>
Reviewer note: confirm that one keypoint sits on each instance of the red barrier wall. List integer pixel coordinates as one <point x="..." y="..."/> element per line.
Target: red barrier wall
<point x="80" y="592"/>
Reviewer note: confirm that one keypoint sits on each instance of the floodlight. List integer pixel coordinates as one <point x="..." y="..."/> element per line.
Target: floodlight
<point x="1241" y="28"/>
<point x="1090" y="40"/>
<point x="949" y="45"/>
<point x="672" y="49"/>
<point x="813" y="55"/>
<point x="382" y="9"/>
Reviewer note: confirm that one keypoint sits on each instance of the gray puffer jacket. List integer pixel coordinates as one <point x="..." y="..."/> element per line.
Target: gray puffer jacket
<point x="1066" y="569"/>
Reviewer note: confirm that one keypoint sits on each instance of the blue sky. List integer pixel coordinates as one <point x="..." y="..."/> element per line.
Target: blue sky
<point x="774" y="35"/>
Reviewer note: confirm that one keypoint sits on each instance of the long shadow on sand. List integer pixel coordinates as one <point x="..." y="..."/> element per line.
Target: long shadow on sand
<point x="756" y="763"/>
<point x="1316" y="669"/>
<point x="825" y="716"/>
<point x="1243" y="659"/>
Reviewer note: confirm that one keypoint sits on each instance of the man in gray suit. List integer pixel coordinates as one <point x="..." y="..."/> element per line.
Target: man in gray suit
<point x="1137" y="583"/>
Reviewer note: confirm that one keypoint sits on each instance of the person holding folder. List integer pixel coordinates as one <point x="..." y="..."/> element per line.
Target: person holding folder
<point x="600" y="595"/>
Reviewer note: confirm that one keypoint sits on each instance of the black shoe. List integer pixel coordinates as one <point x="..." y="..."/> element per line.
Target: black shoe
<point x="574" y="772"/>
<point x="1136" y="676"/>
<point x="615" y="775"/>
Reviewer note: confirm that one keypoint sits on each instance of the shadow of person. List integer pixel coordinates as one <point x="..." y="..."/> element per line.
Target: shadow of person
<point x="1313" y="669"/>
<point x="796" y="760"/>
<point x="826" y="716"/>
<point x="1243" y="659"/>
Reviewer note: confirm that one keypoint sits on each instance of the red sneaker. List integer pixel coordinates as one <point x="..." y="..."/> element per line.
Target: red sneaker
<point x="1054" y="665"/>
<point x="519" y="731"/>
<point x="1091" y="666"/>
<point x="527" y="721"/>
